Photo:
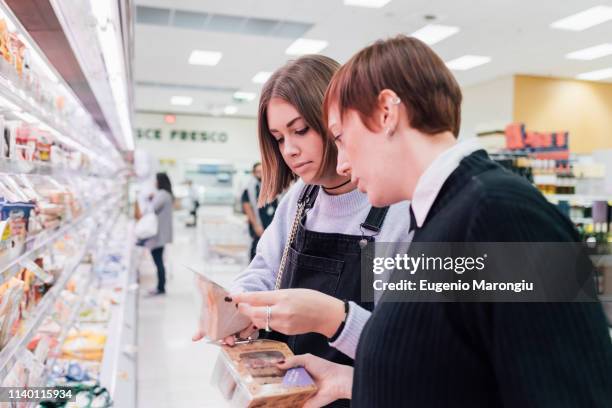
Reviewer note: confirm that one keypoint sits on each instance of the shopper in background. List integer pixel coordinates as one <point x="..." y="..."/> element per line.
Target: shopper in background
<point x="321" y="312"/>
<point x="195" y="203"/>
<point x="394" y="112"/>
<point x="161" y="202"/>
<point x="258" y="217"/>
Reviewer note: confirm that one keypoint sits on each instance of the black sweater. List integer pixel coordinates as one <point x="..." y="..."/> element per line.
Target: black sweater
<point x="486" y="354"/>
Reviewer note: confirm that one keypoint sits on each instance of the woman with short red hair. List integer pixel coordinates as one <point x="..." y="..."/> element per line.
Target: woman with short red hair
<point x="394" y="113"/>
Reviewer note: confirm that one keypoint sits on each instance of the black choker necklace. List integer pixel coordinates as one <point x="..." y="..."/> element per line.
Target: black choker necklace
<point x="338" y="186"/>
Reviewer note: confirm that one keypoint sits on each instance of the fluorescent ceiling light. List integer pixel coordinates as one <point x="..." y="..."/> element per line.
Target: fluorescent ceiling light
<point x="585" y="19"/>
<point x="181" y="100"/>
<point x="591" y="53"/>
<point x="596" y="75"/>
<point x="111" y="46"/>
<point x="434" y="33"/>
<point x="303" y="46"/>
<point x="230" y="110"/>
<point x="467" y="62"/>
<point x="261" y="77"/>
<point x="367" y="3"/>
<point x="244" y="96"/>
<point x="200" y="57"/>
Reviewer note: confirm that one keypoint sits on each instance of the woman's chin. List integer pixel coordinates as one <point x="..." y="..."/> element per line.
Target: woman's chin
<point x="377" y="200"/>
<point x="309" y="178"/>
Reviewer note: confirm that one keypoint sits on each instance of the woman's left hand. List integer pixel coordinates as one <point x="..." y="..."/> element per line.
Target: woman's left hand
<point x="334" y="381"/>
<point x="293" y="311"/>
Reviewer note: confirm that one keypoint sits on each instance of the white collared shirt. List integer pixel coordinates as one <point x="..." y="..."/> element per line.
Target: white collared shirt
<point x="431" y="181"/>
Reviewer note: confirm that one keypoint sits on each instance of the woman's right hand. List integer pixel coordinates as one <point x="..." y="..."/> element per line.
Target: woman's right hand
<point x="229" y="340"/>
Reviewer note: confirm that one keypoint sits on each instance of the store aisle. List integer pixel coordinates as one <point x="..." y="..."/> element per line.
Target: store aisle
<point x="172" y="370"/>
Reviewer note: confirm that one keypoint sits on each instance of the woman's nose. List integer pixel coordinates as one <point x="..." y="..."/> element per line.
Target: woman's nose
<point x="343" y="169"/>
<point x="291" y="149"/>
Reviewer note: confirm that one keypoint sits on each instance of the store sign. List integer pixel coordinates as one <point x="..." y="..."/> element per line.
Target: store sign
<point x="181" y="135"/>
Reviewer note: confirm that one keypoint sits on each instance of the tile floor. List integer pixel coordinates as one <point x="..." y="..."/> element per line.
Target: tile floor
<point x="172" y="370"/>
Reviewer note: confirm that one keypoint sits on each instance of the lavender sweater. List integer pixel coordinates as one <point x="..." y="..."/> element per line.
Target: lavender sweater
<point x="332" y="214"/>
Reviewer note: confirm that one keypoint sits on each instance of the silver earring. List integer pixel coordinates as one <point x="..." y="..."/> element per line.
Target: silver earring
<point x="396" y="101"/>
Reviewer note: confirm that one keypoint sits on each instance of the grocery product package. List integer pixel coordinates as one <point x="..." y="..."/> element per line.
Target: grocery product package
<point x="248" y="376"/>
<point x="11" y="294"/>
<point x="219" y="318"/>
<point x="85" y="345"/>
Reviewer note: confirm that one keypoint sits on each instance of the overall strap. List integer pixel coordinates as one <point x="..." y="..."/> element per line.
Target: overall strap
<point x="375" y="219"/>
<point x="309" y="195"/>
<point x="306" y="201"/>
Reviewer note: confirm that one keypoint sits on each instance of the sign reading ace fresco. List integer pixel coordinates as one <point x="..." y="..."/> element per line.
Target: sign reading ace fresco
<point x="181" y="135"/>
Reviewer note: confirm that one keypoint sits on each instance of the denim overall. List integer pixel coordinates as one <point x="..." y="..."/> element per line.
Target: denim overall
<point x="329" y="263"/>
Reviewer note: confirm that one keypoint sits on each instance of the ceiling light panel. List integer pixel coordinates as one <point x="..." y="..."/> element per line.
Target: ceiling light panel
<point x="585" y="19"/>
<point x="591" y="53"/>
<point x="434" y="33"/>
<point x="303" y="46"/>
<point x="230" y="110"/>
<point x="596" y="75"/>
<point x="181" y="100"/>
<point x="261" y="77"/>
<point x="244" y="96"/>
<point x="467" y="62"/>
<point x="367" y="3"/>
<point x="201" y="57"/>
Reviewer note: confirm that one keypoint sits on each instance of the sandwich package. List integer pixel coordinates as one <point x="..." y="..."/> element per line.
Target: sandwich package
<point x="248" y="376"/>
<point x="219" y="318"/>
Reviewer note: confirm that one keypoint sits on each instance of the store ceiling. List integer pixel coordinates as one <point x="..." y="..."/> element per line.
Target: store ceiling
<point x="254" y="34"/>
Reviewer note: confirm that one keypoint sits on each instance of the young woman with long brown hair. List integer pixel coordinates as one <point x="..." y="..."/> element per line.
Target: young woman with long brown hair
<point x="321" y="312"/>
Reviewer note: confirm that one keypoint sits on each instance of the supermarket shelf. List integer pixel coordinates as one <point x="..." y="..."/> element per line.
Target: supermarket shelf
<point x="19" y="100"/>
<point x="578" y="198"/>
<point x="41" y="169"/>
<point x="74" y="314"/>
<point x="582" y="220"/>
<point x="9" y="355"/>
<point x="63" y="132"/>
<point x="40" y="242"/>
<point x="113" y="353"/>
<point x="71" y="321"/>
<point x="602" y="259"/>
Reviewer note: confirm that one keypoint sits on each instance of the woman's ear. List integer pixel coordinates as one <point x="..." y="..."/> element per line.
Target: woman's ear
<point x="388" y="106"/>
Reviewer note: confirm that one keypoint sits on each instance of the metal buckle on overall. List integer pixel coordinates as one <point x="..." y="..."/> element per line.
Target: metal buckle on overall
<point x="363" y="242"/>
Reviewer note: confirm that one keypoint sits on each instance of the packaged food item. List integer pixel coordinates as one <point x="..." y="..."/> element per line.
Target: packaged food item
<point x="6" y="241"/>
<point x="22" y="134"/>
<point x="248" y="376"/>
<point x="17" y="48"/>
<point x="86" y="345"/>
<point x="5" y="41"/>
<point x="11" y="294"/>
<point x="10" y="138"/>
<point x="37" y="270"/>
<point x="219" y="318"/>
<point x="43" y="146"/>
<point x="18" y="215"/>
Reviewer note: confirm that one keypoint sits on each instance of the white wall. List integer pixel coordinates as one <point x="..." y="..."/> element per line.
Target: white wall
<point x="487" y="106"/>
<point x="240" y="148"/>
